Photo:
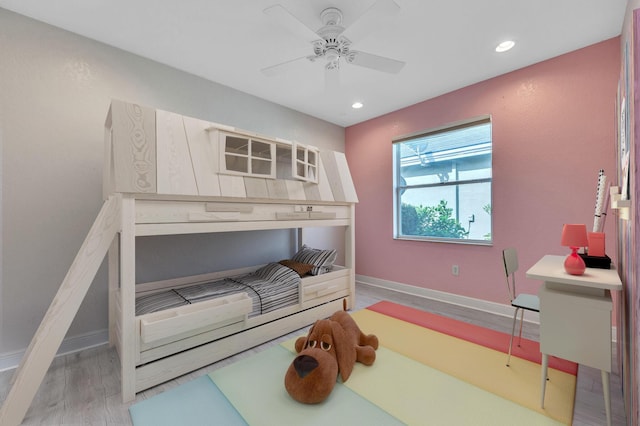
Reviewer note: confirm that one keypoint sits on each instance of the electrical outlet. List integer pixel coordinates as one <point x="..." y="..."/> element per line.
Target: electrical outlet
<point x="455" y="270"/>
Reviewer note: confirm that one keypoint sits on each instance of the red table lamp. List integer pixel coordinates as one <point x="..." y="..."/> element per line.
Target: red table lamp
<point x="574" y="236"/>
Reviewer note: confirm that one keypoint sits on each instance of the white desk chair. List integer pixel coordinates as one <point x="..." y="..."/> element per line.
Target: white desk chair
<point x="521" y="302"/>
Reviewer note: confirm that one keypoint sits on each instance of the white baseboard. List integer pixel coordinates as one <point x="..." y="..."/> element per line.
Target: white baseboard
<point x="441" y="296"/>
<point x="10" y="360"/>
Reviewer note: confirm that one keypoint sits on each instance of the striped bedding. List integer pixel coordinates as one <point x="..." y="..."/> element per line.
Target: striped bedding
<point x="271" y="287"/>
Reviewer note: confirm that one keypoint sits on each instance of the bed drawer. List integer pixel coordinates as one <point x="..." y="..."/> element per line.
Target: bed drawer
<point x="324" y="288"/>
<point x="160" y="325"/>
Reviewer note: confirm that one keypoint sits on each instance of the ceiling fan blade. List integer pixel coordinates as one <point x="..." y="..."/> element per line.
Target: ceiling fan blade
<point x="281" y="67"/>
<point x="283" y="17"/>
<point x="369" y="60"/>
<point x="371" y="19"/>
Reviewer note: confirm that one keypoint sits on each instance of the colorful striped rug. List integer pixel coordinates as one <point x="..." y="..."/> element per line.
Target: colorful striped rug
<point x="429" y="370"/>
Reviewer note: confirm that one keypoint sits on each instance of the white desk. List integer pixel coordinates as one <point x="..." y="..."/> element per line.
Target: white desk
<point x="575" y="317"/>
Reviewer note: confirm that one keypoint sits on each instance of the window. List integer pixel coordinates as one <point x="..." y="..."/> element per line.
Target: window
<point x="442" y="184"/>
<point x="305" y="163"/>
<point x="247" y="156"/>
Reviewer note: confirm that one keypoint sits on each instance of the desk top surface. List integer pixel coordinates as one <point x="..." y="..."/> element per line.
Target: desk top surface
<point x="551" y="268"/>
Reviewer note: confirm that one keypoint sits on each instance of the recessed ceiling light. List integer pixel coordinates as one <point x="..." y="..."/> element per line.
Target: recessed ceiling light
<point x="505" y="45"/>
<point x="357" y="105"/>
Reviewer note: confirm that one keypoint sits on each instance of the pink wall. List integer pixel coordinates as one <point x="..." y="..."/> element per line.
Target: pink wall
<point x="553" y="129"/>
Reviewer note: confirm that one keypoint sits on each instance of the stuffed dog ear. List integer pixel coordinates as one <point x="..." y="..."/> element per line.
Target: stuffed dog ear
<point x="301" y="341"/>
<point x="345" y="352"/>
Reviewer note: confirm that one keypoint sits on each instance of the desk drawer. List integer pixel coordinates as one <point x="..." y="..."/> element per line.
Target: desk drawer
<point x="576" y="327"/>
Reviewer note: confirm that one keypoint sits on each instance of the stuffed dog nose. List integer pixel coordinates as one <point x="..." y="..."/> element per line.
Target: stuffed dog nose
<point x="304" y="364"/>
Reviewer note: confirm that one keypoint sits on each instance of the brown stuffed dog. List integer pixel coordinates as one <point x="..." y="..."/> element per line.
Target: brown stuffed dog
<point x="332" y="346"/>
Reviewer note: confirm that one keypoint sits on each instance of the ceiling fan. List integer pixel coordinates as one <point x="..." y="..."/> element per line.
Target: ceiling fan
<point x="332" y="42"/>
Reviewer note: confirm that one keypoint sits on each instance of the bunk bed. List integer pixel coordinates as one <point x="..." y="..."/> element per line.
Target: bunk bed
<point x="168" y="174"/>
<point x="171" y="174"/>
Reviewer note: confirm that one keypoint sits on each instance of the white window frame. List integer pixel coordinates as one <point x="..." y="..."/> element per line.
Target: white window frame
<point x="249" y="156"/>
<point x="308" y="163"/>
<point x="399" y="187"/>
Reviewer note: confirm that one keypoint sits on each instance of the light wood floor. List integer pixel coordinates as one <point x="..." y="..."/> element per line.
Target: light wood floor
<point x="84" y="388"/>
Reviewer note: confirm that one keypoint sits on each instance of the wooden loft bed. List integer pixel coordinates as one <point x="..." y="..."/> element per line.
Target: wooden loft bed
<point x="168" y="174"/>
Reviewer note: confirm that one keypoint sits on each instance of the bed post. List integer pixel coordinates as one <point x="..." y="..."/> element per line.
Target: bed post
<point x="350" y="254"/>
<point x="127" y="318"/>
<point x="113" y="266"/>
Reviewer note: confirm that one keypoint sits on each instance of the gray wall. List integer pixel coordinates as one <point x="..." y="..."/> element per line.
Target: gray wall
<point x="55" y="89"/>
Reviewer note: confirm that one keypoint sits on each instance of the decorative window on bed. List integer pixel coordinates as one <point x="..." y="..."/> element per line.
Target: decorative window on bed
<point x="305" y="163"/>
<point x="249" y="156"/>
<point x="242" y="155"/>
<point x="442" y="183"/>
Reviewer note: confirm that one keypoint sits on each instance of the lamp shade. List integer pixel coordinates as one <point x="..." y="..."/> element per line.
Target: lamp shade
<point x="574" y="235"/>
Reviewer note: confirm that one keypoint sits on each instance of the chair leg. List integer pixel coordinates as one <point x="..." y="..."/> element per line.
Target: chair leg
<point x="513" y="329"/>
<point x="521" y="321"/>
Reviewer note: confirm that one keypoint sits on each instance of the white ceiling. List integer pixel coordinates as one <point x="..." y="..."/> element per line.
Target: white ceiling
<point x="446" y="44"/>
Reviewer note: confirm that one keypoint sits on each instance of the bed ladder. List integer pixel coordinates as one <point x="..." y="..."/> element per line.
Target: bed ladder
<point x="55" y="324"/>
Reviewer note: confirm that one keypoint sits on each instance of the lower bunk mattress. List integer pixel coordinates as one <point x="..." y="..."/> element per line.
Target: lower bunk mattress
<point x="270" y="287"/>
